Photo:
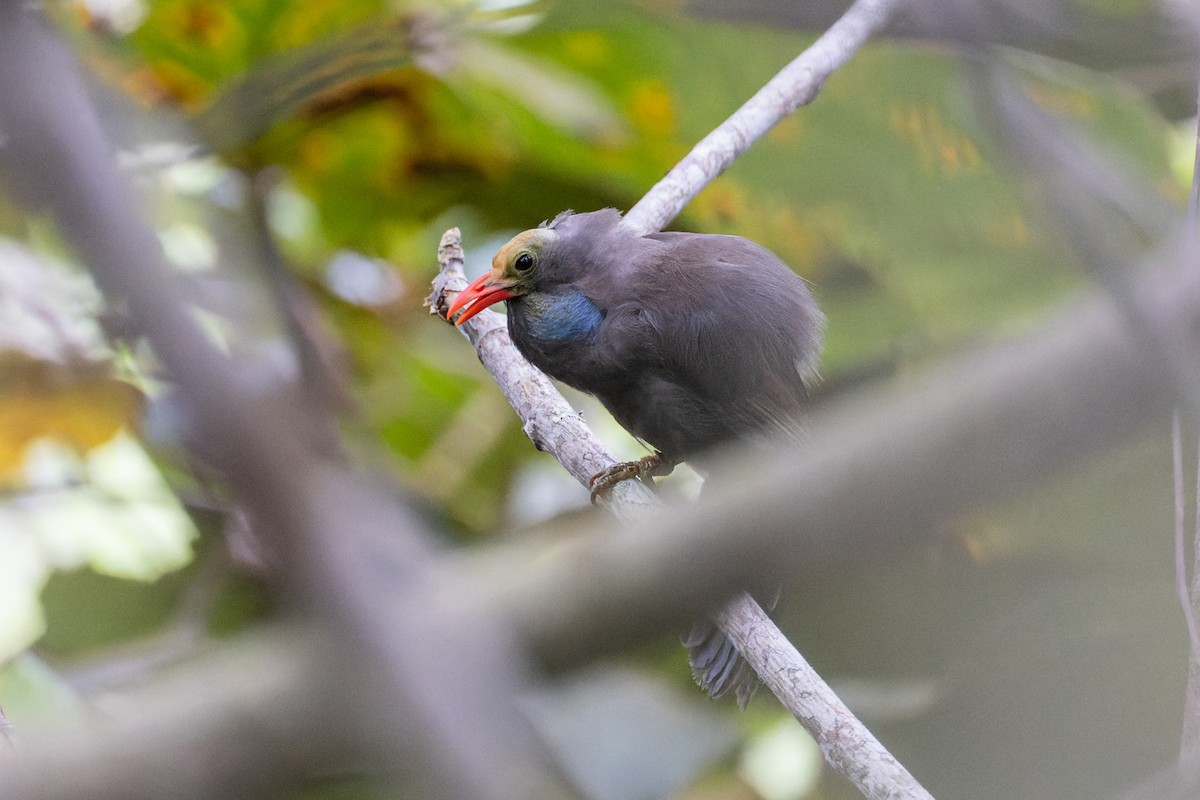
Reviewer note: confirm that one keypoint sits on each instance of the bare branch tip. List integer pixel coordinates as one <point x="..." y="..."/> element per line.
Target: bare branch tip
<point x="451" y="245"/>
<point x="450" y="277"/>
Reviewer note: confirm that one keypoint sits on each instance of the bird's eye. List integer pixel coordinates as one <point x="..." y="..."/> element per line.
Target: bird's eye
<point x="524" y="262"/>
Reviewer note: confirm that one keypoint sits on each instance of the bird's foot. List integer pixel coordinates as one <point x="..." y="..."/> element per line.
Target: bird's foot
<point x="644" y="469"/>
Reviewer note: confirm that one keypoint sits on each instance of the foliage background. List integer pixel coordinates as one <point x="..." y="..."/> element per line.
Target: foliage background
<point x="1035" y="650"/>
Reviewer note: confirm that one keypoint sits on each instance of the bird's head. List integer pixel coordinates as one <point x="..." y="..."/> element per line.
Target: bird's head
<point x="514" y="273"/>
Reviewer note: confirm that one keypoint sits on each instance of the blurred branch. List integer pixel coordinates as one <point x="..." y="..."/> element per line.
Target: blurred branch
<point x="1189" y="742"/>
<point x="8" y="731"/>
<point x="284" y="84"/>
<point x="315" y="354"/>
<point x="236" y="723"/>
<point x="795" y="85"/>
<point x="554" y="427"/>
<point x="182" y="635"/>
<point x="1107" y="212"/>
<point x="993" y="422"/>
<point x="341" y="541"/>
<point x="1137" y="35"/>
<point x="1180" y="781"/>
<point x="1106" y="221"/>
<point x="845" y="742"/>
<point x="1189" y="596"/>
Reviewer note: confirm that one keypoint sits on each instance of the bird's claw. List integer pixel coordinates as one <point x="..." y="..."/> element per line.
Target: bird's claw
<point x="644" y="469"/>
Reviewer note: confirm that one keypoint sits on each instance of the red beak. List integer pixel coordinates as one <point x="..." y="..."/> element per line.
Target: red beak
<point x="476" y="297"/>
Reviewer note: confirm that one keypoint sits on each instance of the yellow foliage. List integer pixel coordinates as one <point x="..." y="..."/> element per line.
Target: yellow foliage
<point x="1063" y="101"/>
<point x="587" y="48"/>
<point x="940" y="147"/>
<point x="210" y="25"/>
<point x="788" y="130"/>
<point x="180" y="83"/>
<point x="652" y="109"/>
<point x="79" y="407"/>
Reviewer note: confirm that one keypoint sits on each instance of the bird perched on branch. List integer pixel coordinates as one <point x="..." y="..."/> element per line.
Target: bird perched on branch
<point x="689" y="340"/>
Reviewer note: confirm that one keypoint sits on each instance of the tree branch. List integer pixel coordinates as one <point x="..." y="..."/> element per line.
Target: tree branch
<point x="8" y="731"/>
<point x="549" y="420"/>
<point x="795" y="85"/>
<point x="339" y="539"/>
<point x="555" y="428"/>
<point x="273" y="716"/>
<point x="995" y="421"/>
<point x="846" y="743"/>
<point x="1189" y="596"/>
<point x="1106" y="221"/>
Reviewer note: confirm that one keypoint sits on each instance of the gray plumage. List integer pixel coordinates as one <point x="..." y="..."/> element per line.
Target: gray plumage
<point x="689" y="340"/>
<point x="703" y="339"/>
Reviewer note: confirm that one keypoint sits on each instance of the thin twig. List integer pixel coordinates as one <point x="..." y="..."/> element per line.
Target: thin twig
<point x="1181" y="579"/>
<point x="846" y="743"/>
<point x="795" y="85"/>
<point x="550" y="422"/>
<point x="295" y="309"/>
<point x="7" y="731"/>
<point x="1189" y="595"/>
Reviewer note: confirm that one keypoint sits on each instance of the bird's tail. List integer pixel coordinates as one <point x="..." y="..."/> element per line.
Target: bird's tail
<point x="717" y="666"/>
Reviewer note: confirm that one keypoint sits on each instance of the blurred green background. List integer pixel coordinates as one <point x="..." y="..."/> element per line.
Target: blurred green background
<point x="1035" y="650"/>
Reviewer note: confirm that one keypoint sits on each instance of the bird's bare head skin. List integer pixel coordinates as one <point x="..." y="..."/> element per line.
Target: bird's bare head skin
<point x="513" y="273"/>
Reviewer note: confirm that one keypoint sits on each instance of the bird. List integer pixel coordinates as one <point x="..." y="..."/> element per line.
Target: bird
<point x="690" y="340"/>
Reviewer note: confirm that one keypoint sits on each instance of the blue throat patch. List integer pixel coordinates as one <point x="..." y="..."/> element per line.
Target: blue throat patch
<point x="569" y="317"/>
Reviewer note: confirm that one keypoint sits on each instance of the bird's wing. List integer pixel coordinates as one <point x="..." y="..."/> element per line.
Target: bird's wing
<point x="732" y="322"/>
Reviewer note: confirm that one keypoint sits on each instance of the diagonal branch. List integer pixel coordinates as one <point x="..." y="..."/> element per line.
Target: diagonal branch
<point x="8" y="731"/>
<point x="339" y="539"/>
<point x="554" y="427"/>
<point x="845" y="742"/>
<point x="1189" y="596"/>
<point x="795" y="85"/>
<point x="275" y="714"/>
<point x="549" y="420"/>
<point x="1105" y="221"/>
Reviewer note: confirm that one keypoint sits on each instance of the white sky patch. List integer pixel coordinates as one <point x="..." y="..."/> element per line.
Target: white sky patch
<point x="291" y="214"/>
<point x="782" y="763"/>
<point x="516" y="22"/>
<point x="194" y="176"/>
<point x="189" y="246"/>
<point x="121" y="15"/>
<point x="361" y="280"/>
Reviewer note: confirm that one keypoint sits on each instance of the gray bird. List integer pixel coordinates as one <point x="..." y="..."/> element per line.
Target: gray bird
<point x="689" y="340"/>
